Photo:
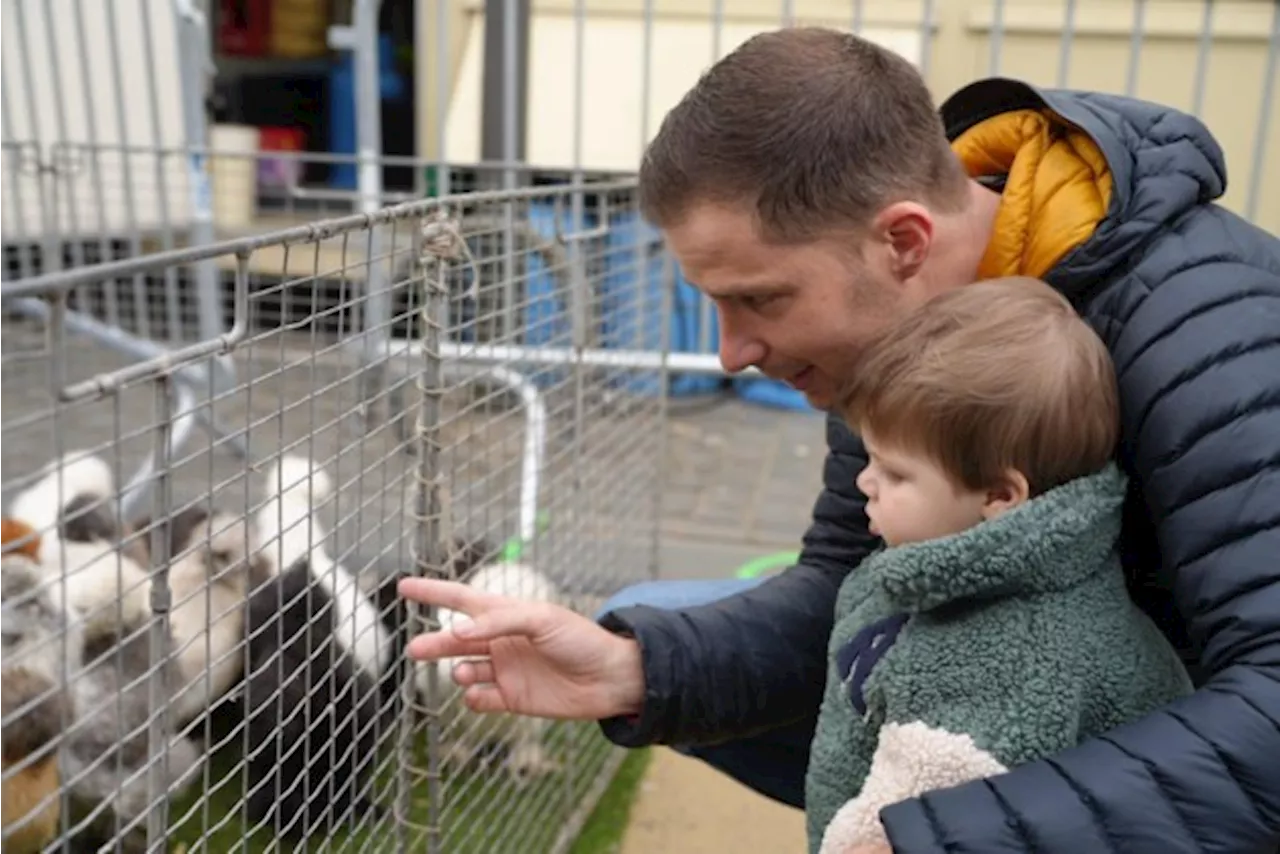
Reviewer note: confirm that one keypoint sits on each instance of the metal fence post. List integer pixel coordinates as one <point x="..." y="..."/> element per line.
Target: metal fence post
<point x="429" y="506"/>
<point x="196" y="66"/>
<point x="158" y="641"/>
<point x="361" y="39"/>
<point x="664" y="397"/>
<point x="506" y="68"/>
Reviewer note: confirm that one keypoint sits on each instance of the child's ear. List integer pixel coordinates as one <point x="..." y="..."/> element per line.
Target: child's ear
<point x="1011" y="491"/>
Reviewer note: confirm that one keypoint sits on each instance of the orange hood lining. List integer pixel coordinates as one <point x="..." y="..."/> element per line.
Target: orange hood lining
<point x="1057" y="190"/>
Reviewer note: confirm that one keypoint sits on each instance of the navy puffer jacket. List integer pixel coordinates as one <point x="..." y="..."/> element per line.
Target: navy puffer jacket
<point x="1187" y="297"/>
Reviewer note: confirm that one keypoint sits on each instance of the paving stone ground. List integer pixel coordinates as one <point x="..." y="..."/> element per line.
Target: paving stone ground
<point x="684" y="806"/>
<point x="741" y="475"/>
<point x="743" y="482"/>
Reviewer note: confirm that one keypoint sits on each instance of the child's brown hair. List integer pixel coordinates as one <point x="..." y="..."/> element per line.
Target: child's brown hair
<point x="997" y="375"/>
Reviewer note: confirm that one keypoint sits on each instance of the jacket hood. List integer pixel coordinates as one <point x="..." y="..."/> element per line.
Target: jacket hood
<point x="1088" y="178"/>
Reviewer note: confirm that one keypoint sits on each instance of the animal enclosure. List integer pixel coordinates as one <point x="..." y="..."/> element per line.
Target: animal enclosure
<point x="202" y="640"/>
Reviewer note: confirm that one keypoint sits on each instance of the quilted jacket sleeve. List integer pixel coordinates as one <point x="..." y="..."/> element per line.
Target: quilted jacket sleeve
<point x="1199" y="369"/>
<point x="756" y="660"/>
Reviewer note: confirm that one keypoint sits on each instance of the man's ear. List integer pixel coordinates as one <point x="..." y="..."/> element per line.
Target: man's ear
<point x="1011" y="491"/>
<point x="906" y="230"/>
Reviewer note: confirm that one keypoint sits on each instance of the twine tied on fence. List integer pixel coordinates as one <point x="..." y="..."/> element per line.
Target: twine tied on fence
<point x="442" y="240"/>
<point x="442" y="243"/>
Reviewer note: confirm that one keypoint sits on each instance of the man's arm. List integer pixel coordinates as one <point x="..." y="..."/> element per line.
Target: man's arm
<point x="1199" y="372"/>
<point x="755" y="660"/>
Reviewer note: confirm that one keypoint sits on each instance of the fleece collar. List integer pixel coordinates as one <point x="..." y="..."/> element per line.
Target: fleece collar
<point x="1051" y="542"/>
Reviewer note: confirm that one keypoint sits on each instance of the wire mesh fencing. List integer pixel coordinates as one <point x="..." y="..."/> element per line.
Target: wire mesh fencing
<point x="203" y="649"/>
<point x="111" y="152"/>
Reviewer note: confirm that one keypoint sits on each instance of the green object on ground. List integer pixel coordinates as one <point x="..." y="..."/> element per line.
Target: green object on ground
<point x="513" y="548"/>
<point x="757" y="567"/>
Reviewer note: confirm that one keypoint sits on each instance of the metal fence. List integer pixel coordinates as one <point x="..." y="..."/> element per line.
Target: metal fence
<point x="106" y="150"/>
<point x="477" y="382"/>
<point x="355" y="449"/>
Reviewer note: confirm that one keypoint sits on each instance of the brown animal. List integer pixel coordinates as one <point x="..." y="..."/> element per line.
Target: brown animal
<point x="18" y="537"/>
<point x="30" y="797"/>
<point x="36" y="708"/>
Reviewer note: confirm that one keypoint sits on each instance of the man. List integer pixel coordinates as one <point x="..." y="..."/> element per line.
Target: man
<point x="809" y="187"/>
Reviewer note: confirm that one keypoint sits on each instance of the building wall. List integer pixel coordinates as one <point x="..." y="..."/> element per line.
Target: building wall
<point x="619" y="114"/>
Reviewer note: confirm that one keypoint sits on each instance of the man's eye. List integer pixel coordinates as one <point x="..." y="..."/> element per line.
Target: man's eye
<point x="759" y="301"/>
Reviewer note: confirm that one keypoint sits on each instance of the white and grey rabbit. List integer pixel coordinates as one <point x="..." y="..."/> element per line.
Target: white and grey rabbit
<point x="516" y="739"/>
<point x="109" y="753"/>
<point x="80" y="539"/>
<point x="69" y="503"/>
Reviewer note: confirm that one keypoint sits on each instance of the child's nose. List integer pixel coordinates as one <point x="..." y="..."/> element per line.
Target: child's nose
<point x="865" y="482"/>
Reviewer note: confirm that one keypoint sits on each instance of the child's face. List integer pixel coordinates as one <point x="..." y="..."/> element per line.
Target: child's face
<point x="910" y="499"/>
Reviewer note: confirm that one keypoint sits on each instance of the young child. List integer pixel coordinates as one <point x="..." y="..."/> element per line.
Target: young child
<point x="994" y="628"/>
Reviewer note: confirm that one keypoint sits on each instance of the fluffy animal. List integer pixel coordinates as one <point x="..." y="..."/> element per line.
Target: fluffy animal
<point x="68" y="503"/>
<point x="79" y="540"/>
<point x="517" y="738"/>
<point x="36" y="704"/>
<point x="109" y="754"/>
<point x="214" y="560"/>
<point x="104" y="594"/>
<point x="211" y="557"/>
<point x="325" y="665"/>
<point x="290" y="531"/>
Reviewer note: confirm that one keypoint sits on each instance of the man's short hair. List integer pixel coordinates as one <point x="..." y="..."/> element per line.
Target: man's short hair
<point x="997" y="375"/>
<point x="815" y="128"/>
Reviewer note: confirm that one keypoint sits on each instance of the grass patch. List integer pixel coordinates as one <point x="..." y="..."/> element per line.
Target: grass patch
<point x="607" y="824"/>
<point x="481" y="812"/>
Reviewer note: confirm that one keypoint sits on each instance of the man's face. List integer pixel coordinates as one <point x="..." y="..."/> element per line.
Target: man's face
<point x="801" y="314"/>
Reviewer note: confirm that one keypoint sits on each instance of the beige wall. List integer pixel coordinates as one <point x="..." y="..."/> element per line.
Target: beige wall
<point x="959" y="52"/>
<point x="457" y="20"/>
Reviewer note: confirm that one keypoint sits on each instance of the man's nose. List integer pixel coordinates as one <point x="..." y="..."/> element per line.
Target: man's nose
<point x="737" y="350"/>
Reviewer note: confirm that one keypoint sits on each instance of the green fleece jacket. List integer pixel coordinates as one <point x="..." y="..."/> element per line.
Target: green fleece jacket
<point x="963" y="656"/>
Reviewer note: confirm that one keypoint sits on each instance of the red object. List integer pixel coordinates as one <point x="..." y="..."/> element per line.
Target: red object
<point x="244" y="27"/>
<point x="280" y="172"/>
<point x="281" y="139"/>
